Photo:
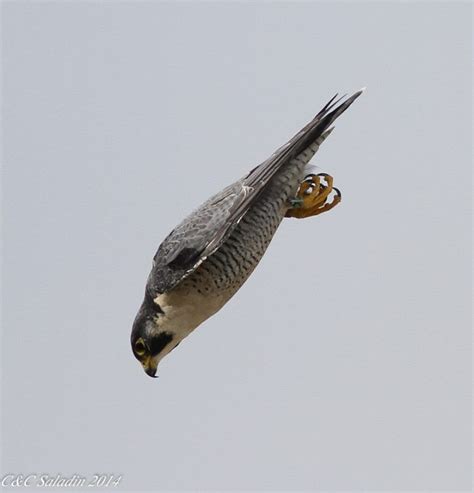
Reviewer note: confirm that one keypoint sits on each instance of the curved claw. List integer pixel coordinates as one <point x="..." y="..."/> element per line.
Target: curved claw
<point x="312" y="196"/>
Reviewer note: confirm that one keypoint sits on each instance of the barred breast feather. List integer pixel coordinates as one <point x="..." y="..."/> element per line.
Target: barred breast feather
<point x="220" y="243"/>
<point x="207" y="288"/>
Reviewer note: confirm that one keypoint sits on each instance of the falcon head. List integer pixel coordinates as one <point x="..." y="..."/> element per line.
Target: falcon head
<point x="150" y="341"/>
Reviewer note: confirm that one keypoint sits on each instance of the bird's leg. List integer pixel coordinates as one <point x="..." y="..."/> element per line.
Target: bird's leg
<point x="312" y="197"/>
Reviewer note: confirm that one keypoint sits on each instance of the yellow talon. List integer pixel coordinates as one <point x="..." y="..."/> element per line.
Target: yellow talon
<point x="312" y="197"/>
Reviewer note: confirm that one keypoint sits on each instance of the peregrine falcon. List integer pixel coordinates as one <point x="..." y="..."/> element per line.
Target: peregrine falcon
<point x="204" y="261"/>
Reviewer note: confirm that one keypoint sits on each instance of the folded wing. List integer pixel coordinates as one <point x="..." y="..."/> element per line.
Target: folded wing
<point x="203" y="231"/>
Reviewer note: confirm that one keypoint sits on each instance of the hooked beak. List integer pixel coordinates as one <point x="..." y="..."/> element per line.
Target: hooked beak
<point x="150" y="367"/>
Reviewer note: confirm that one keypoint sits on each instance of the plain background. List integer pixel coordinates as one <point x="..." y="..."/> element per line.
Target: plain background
<point x="344" y="363"/>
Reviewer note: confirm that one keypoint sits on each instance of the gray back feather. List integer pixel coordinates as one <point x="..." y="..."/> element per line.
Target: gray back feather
<point x="204" y="230"/>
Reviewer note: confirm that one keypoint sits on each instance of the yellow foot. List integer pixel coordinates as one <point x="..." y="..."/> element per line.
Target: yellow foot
<point x="312" y="197"/>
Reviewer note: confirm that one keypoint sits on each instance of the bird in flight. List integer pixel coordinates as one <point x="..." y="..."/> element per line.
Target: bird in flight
<point x="205" y="260"/>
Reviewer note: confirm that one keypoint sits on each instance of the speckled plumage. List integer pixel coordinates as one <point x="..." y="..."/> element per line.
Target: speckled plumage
<point x="220" y="276"/>
<point x="208" y="256"/>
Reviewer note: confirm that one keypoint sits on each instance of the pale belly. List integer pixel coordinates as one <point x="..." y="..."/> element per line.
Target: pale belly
<point x="221" y="275"/>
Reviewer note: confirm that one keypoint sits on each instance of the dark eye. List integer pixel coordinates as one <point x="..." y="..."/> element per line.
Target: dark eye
<point x="139" y="347"/>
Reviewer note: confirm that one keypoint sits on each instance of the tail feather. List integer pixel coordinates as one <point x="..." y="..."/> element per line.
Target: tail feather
<point x="330" y="117"/>
<point x="322" y="128"/>
<point x="311" y="135"/>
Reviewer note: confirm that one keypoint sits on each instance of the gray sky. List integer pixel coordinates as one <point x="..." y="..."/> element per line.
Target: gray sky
<point x="344" y="363"/>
